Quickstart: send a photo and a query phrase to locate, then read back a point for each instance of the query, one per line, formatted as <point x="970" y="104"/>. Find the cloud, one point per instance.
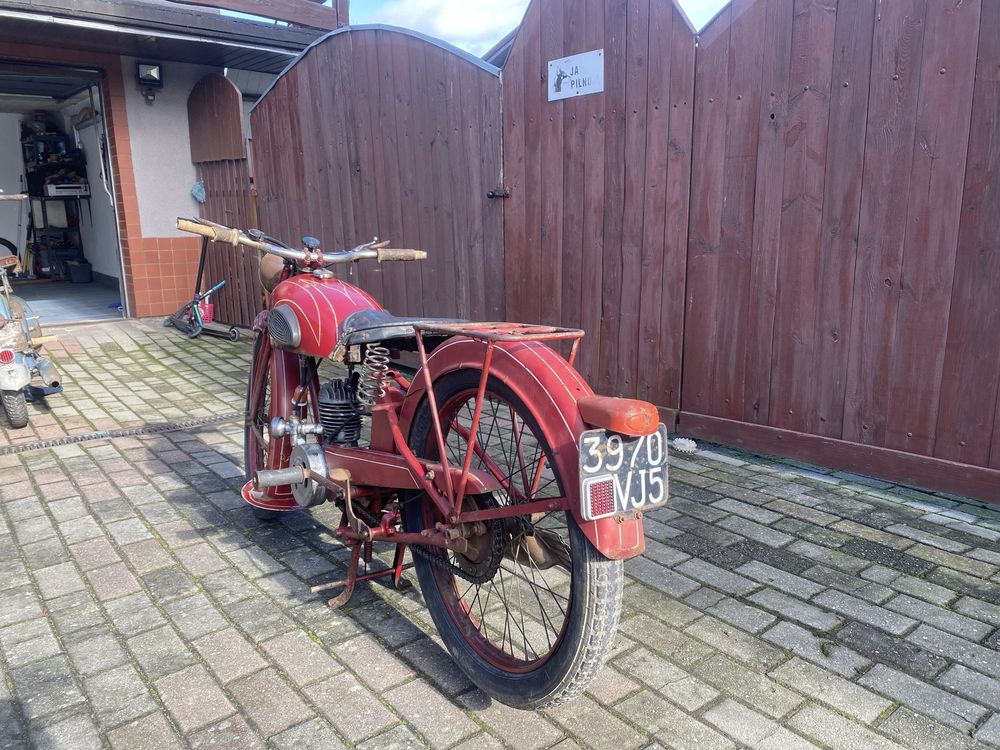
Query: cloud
<point x="473" y="25"/>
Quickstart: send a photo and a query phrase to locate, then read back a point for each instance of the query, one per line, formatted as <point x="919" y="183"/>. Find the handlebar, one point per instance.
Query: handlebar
<point x="373" y="250"/>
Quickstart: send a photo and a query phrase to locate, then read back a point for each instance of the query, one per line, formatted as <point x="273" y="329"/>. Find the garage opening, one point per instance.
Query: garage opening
<point x="54" y="150"/>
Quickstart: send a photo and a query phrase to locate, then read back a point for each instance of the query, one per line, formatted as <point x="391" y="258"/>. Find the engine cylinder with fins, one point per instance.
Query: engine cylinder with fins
<point x="338" y="412"/>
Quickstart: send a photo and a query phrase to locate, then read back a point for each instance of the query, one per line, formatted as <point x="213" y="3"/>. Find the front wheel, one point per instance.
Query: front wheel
<point x="16" y="408"/>
<point x="256" y="436"/>
<point x="530" y="612"/>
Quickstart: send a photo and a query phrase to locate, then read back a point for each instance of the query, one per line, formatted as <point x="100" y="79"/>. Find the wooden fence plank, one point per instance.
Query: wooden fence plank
<point x="841" y="209"/>
<point x="551" y="162"/>
<point x="765" y="251"/>
<point x="518" y="262"/>
<point x="636" y="122"/>
<point x="385" y="151"/>
<point x="489" y="153"/>
<point x="899" y="33"/>
<point x="532" y="98"/>
<point x="575" y="124"/>
<point x="968" y="426"/>
<point x="793" y="396"/>
<point x="935" y="201"/>
<point x="707" y="201"/>
<point x="742" y="106"/>
<point x="409" y="156"/>
<point x="650" y="382"/>
<point x="666" y="366"/>
<point x="615" y="72"/>
<point x="593" y="190"/>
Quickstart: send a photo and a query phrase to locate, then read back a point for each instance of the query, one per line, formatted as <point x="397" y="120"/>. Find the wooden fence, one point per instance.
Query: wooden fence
<point x="787" y="232"/>
<point x="843" y="274"/>
<point x="218" y="150"/>
<point x="380" y="133"/>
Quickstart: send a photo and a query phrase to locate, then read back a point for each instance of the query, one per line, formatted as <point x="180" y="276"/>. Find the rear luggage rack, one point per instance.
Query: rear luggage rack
<point x="503" y="331"/>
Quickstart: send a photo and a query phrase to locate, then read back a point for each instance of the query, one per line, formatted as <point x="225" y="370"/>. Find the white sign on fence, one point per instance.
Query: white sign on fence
<point x="576" y="75"/>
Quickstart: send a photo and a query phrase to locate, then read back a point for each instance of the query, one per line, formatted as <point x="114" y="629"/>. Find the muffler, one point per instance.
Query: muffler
<point x="48" y="373"/>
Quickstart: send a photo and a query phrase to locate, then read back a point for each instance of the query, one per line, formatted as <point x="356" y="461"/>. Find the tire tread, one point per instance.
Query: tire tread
<point x="16" y="408"/>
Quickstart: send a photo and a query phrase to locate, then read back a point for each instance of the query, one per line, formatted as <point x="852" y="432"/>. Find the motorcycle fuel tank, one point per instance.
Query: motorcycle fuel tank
<point x="307" y="313"/>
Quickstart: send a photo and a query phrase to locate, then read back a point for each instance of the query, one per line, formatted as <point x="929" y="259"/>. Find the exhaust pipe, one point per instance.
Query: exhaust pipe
<point x="48" y="373"/>
<point x="278" y="477"/>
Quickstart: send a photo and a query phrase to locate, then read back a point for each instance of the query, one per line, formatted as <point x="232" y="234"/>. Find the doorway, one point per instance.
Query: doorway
<point x="54" y="150"/>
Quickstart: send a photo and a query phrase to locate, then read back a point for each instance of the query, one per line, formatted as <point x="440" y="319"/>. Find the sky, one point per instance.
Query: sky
<point x="476" y="25"/>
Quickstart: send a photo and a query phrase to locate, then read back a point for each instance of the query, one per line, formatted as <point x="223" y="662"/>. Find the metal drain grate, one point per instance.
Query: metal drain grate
<point x="148" y="429"/>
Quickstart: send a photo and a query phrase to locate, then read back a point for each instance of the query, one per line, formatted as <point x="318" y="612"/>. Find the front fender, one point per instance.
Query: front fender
<point x="551" y="388"/>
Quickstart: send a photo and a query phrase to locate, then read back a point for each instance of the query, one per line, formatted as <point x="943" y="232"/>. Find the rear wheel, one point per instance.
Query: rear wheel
<point x="530" y="613"/>
<point x="16" y="408"/>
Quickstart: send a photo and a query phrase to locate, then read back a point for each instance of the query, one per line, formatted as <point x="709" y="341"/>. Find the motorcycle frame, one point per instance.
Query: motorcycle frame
<point x="546" y="377"/>
<point x="445" y="485"/>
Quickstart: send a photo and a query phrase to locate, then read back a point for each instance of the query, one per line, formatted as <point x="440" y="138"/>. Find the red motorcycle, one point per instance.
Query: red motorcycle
<point x="517" y="491"/>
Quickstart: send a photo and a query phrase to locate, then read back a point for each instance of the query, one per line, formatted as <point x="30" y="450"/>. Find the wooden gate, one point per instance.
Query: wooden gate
<point x="218" y="150"/>
<point x="379" y="132"/>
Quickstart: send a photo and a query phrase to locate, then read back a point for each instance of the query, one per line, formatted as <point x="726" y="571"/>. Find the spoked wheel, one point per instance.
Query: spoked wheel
<point x="530" y="612"/>
<point x="256" y="432"/>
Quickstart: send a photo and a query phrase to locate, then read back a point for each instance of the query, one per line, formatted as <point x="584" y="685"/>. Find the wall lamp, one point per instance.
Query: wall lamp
<point x="150" y="78"/>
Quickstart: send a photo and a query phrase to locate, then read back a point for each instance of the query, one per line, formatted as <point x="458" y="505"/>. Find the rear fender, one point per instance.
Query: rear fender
<point x="545" y="381"/>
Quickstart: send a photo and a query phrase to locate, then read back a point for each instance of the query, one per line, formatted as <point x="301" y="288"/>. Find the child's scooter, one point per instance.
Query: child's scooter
<point x="191" y="319"/>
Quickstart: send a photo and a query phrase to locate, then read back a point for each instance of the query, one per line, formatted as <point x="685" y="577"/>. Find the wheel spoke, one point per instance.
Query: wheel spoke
<point x="527" y="593"/>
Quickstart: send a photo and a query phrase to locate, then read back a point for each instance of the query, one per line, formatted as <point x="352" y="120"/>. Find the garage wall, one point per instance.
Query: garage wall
<point x="98" y="226"/>
<point x="11" y="170"/>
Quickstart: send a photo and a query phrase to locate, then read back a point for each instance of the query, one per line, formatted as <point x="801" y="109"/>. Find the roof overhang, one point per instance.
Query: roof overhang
<point x="157" y="31"/>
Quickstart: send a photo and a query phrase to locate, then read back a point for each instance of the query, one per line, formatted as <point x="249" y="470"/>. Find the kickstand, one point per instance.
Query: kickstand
<point x="396" y="571"/>
<point x="398" y="581"/>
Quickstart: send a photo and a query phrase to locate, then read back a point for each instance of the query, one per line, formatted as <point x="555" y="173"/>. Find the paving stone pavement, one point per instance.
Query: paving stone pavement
<point x="779" y="605"/>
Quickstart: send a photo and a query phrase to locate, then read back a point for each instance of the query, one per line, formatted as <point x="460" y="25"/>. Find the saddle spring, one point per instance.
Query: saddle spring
<point x="374" y="372"/>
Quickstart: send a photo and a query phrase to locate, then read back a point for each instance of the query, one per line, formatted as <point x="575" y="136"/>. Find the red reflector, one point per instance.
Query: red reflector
<point x="602" y="498"/>
<point x="6" y="356"/>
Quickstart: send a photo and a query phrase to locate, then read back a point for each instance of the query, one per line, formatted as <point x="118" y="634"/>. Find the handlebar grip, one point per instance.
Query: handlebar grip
<point x="389" y="253"/>
<point x="279" y="477"/>
<point x="215" y="232"/>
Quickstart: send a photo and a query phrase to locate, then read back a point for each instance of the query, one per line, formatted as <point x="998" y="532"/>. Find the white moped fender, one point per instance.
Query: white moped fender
<point x="14" y="377"/>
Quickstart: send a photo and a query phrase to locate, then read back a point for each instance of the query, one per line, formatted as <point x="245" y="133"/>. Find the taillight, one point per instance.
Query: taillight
<point x="6" y="356"/>
<point x="601" y="496"/>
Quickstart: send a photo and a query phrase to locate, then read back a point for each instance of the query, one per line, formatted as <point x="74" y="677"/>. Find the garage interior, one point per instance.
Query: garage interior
<point x="54" y="149"/>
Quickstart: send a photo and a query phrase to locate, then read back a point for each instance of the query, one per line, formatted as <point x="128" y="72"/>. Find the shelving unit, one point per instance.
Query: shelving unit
<point x="52" y="164"/>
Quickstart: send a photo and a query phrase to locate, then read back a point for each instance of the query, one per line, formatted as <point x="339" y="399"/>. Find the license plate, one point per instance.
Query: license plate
<point x="620" y="474"/>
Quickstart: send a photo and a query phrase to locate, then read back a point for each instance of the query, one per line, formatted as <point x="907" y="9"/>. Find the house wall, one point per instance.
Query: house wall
<point x="11" y="172"/>
<point x="164" y="174"/>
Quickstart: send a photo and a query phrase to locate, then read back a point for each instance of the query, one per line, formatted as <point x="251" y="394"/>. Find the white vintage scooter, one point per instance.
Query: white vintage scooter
<point x="21" y="341"/>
